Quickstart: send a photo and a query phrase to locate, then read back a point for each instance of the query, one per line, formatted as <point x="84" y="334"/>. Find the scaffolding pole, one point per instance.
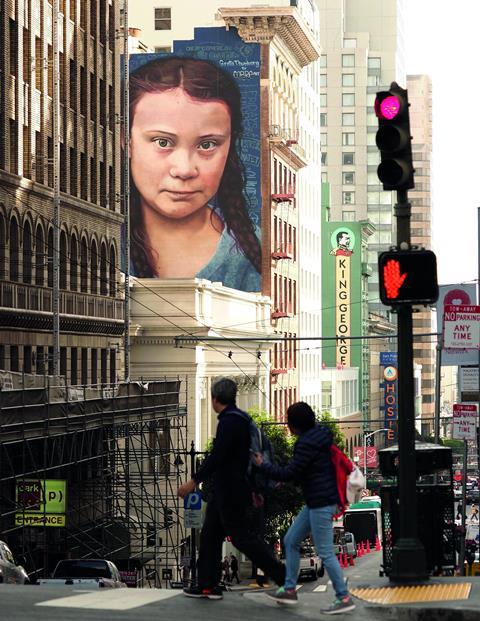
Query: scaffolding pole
<point x="126" y="191"/>
<point x="56" y="187"/>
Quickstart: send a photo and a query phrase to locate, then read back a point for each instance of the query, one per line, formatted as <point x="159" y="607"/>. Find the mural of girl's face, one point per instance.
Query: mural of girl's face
<point x="178" y="150"/>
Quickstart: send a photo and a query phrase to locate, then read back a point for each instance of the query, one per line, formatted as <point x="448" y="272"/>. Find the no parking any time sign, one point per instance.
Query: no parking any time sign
<point x="461" y="327"/>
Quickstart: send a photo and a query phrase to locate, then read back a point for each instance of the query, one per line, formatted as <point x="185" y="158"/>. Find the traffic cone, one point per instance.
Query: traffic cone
<point x="368" y="546"/>
<point x="363" y="548"/>
<point x="351" y="561"/>
<point x="378" y="547"/>
<point x="345" y="560"/>
<point x="359" y="551"/>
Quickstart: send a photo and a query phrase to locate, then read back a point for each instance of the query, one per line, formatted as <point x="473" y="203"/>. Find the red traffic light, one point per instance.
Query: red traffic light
<point x="387" y="107"/>
<point x="408" y="277"/>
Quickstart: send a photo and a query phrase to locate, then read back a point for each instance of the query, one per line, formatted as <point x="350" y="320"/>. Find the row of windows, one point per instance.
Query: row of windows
<point x="85" y="265"/>
<point x="348" y="60"/>
<point x="348" y="159"/>
<point x="79" y="365"/>
<point x="284" y="237"/>
<point x="284" y="294"/>
<point x="285" y="353"/>
<point x="284" y="179"/>
<point x="282" y="398"/>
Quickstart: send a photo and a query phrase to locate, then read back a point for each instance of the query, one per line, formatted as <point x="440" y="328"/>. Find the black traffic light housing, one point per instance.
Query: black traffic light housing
<point x="393" y="139"/>
<point x="408" y="277"/>
<point x="167" y="517"/>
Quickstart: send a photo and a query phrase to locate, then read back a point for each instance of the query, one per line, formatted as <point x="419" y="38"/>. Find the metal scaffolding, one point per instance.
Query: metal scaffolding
<point x="117" y="454"/>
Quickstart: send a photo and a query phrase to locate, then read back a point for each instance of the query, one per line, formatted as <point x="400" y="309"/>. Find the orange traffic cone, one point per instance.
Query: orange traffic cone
<point x="351" y="561"/>
<point x="359" y="550"/>
<point x="378" y="547"/>
<point x="368" y="546"/>
<point x="345" y="560"/>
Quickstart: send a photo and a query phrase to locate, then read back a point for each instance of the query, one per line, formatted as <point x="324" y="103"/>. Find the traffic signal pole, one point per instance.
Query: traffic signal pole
<point x="408" y="555"/>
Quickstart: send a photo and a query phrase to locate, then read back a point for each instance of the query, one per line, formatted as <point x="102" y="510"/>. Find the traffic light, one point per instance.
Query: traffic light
<point x="151" y="534"/>
<point x="408" y="277"/>
<point x="167" y="517"/>
<point x="395" y="171"/>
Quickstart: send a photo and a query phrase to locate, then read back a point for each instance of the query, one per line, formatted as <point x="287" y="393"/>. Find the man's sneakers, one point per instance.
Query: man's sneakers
<point x="345" y="604"/>
<point x="284" y="596"/>
<point x="201" y="592"/>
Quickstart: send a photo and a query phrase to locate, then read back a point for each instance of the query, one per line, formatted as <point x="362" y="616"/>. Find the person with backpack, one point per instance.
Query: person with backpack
<point x="312" y="467"/>
<point x="229" y="463"/>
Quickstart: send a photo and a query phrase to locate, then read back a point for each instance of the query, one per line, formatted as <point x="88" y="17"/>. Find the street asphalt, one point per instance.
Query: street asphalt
<point x="32" y="603"/>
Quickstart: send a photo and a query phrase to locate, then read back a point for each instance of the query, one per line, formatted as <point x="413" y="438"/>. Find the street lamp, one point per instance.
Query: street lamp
<point x="365" y="438"/>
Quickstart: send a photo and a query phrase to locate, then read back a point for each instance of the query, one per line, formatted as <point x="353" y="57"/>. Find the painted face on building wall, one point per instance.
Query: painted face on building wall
<point x="178" y="150"/>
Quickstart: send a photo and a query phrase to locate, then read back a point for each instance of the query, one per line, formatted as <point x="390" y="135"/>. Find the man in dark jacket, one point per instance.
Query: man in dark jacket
<point x="227" y="509"/>
<point x="311" y="466"/>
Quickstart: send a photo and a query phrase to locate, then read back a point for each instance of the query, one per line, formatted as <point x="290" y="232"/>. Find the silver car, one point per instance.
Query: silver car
<point x="10" y="572"/>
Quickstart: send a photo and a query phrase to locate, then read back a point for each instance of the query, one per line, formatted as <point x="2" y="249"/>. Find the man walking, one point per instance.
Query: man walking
<point x="234" y="569"/>
<point x="312" y="467"/>
<point x="227" y="509"/>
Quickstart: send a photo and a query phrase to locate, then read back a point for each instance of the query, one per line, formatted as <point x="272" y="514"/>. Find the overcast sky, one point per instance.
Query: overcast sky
<point x="443" y="41"/>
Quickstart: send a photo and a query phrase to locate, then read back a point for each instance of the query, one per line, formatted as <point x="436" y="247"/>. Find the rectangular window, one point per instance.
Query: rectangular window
<point x="103" y="366"/>
<point x="73" y="172"/>
<point x="348" y="119"/>
<point x="74" y="366"/>
<point x="351" y="43"/>
<point x="93" y="97"/>
<point x="13" y="357"/>
<point x="348" y="60"/>
<point x="348" y="99"/>
<point x="163" y="18"/>
<point x="84" y="370"/>
<point x="323" y="139"/>
<point x="40" y="361"/>
<point x="113" y="366"/>
<point x="83" y="91"/>
<point x="348" y="198"/>
<point x="27" y="358"/>
<point x="63" y="361"/>
<point x="348" y="216"/>
<point x="323" y="100"/>
<point x="348" y="178"/>
<point x="323" y="79"/>
<point x="348" y="139"/>
<point x="323" y="119"/>
<point x="93" y="367"/>
<point x="324" y="158"/>
<point x="93" y="180"/>
<point x="374" y="62"/>
<point x="348" y="159"/>
<point x="83" y="177"/>
<point x="348" y="79"/>
<point x="323" y="60"/>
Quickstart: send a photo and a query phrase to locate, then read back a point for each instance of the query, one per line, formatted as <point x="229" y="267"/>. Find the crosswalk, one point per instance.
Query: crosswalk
<point x="112" y="599"/>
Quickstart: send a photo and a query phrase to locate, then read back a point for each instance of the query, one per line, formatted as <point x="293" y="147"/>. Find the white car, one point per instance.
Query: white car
<point x="10" y="571"/>
<point x="310" y="564"/>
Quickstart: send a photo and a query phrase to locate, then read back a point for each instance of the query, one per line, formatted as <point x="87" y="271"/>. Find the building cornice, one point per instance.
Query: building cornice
<point x="262" y="24"/>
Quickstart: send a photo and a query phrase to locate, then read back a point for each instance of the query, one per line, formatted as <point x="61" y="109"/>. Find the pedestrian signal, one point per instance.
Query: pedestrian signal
<point x="408" y="277"/>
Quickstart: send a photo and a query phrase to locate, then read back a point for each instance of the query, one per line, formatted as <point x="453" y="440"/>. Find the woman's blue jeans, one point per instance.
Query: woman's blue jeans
<point x="318" y="523"/>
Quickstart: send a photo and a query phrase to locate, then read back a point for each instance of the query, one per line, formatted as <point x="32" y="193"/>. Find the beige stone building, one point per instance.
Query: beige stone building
<point x="90" y="303"/>
<point x="288" y="34"/>
<point x="420" y="98"/>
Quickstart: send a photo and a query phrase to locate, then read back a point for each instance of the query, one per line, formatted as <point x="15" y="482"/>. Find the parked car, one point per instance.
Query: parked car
<point x="310" y="564"/>
<point x="10" y="571"/>
<point x="344" y="542"/>
<point x="85" y="573"/>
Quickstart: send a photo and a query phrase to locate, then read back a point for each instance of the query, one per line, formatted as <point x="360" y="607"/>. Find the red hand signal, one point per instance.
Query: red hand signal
<point x="392" y="278"/>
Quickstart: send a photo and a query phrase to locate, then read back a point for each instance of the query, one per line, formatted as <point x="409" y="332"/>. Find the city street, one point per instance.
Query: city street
<point x="65" y="604"/>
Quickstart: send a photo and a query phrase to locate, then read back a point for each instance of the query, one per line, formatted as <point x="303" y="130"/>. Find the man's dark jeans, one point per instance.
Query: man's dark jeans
<point x="222" y="520"/>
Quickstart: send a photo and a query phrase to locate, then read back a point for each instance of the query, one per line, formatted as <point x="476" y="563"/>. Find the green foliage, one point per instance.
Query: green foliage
<point x="338" y="437"/>
<point x="286" y="500"/>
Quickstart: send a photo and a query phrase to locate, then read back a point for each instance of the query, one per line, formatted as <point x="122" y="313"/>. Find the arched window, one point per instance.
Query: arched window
<point x="50" y="258"/>
<point x="63" y="262"/>
<point x="73" y="263"/>
<point x="40" y="257"/>
<point x="94" y="268"/>
<point x="27" y="252"/>
<point x="14" y="250"/>
<point x="103" y="270"/>
<point x="112" y="271"/>
<point x="2" y="247"/>
<point x="84" y="266"/>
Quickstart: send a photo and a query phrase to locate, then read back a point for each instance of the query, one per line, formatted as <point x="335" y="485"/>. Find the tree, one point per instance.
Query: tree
<point x="338" y="436"/>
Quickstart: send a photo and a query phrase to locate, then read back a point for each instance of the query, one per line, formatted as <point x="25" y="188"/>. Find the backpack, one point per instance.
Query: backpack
<point x="259" y="443"/>
<point x="350" y="479"/>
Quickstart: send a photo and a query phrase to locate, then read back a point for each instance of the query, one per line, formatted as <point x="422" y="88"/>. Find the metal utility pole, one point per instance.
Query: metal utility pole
<point x="126" y="192"/>
<point x="438" y="381"/>
<point x="56" y="187"/>
<point x="408" y="558"/>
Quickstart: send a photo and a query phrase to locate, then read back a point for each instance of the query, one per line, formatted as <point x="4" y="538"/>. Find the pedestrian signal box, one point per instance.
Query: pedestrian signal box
<point x="408" y="277"/>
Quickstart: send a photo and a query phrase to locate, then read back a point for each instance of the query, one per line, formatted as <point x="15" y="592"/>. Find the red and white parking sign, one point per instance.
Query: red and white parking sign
<point x="461" y="327"/>
<point x="464" y="421"/>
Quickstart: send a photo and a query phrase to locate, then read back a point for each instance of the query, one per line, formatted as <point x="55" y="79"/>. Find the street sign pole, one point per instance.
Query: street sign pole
<point x="193" y="553"/>
<point x="408" y="557"/>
